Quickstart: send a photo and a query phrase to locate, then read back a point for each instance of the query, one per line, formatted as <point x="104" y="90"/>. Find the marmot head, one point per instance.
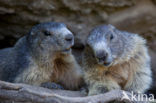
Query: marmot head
<point x="51" y="37"/>
<point x="108" y="44"/>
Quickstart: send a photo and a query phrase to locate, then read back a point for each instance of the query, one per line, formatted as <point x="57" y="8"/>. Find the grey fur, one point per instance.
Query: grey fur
<point x="32" y="59"/>
<point x="115" y="59"/>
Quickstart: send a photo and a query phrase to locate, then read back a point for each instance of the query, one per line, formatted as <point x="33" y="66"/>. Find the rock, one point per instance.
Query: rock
<point x="154" y="1"/>
<point x="152" y="54"/>
<point x="17" y="16"/>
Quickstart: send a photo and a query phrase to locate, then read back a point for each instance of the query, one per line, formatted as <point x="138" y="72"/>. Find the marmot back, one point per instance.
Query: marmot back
<point x="115" y="59"/>
<point x="34" y="58"/>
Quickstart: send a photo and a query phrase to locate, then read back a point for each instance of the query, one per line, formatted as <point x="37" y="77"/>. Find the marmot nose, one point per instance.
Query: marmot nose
<point x="69" y="37"/>
<point x="102" y="56"/>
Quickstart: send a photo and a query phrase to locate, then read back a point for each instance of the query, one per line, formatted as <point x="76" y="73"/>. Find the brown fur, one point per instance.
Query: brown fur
<point x="63" y="69"/>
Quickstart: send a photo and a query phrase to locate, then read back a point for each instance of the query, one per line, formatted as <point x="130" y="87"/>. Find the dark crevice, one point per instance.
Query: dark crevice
<point x="8" y="41"/>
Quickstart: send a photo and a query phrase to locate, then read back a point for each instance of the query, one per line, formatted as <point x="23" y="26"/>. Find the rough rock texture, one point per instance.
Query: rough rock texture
<point x="138" y="16"/>
<point x="17" y="16"/>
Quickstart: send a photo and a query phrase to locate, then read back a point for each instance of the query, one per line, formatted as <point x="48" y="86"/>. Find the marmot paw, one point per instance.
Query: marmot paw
<point x="51" y="85"/>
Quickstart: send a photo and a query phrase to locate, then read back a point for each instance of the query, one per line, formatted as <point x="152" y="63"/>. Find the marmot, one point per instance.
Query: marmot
<point x="115" y="59"/>
<point x="42" y="56"/>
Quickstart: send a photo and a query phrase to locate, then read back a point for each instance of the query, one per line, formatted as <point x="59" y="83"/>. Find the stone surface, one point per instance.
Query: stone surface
<point x="137" y="16"/>
<point x="18" y="16"/>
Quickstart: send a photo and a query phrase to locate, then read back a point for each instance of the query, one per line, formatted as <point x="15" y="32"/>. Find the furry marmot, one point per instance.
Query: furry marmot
<point x="42" y="56"/>
<point x="115" y="59"/>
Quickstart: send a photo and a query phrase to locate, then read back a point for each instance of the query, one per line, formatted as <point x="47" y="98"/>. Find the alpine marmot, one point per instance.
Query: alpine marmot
<point x="42" y="56"/>
<point x="115" y="59"/>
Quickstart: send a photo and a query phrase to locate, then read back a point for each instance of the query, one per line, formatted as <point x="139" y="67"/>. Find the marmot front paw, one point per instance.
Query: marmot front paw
<point x="99" y="90"/>
<point x="51" y="85"/>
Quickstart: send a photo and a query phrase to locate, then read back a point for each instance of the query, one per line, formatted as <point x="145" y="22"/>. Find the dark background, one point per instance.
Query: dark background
<point x="137" y="16"/>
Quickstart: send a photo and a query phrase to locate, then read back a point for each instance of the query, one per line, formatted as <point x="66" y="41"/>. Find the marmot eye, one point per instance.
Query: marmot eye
<point x="111" y="37"/>
<point x="46" y="33"/>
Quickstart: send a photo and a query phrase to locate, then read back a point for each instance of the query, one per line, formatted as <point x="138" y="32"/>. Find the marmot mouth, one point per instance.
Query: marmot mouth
<point x="107" y="64"/>
<point x="68" y="50"/>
